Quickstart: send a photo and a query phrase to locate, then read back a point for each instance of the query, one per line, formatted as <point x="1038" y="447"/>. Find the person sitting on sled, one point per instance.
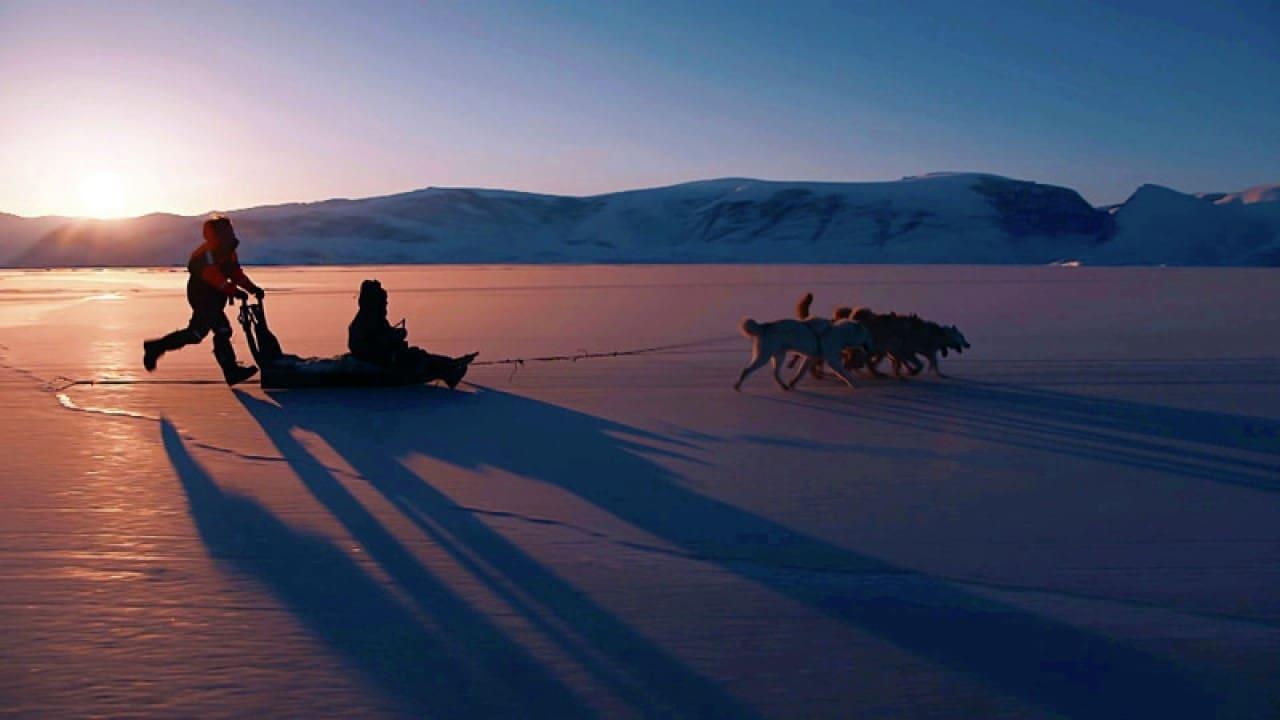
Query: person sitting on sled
<point x="216" y="280"/>
<point x="373" y="339"/>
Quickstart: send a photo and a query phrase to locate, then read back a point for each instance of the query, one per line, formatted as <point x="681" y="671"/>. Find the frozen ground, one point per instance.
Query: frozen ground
<point x="1084" y="522"/>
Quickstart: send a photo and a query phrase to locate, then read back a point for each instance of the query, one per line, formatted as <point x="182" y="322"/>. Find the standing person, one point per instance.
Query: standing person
<point x="216" y="280"/>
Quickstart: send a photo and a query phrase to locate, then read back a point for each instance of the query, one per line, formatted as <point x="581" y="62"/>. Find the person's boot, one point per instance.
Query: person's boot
<point x="232" y="371"/>
<point x="239" y="374"/>
<point x="458" y="370"/>
<point x="153" y="349"/>
<point x="151" y="353"/>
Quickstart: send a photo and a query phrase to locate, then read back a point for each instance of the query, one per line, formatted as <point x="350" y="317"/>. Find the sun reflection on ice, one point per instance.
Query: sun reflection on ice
<point x="114" y="360"/>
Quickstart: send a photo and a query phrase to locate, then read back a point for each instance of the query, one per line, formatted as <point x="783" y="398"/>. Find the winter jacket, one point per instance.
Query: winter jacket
<point x="217" y="265"/>
<point x="370" y="337"/>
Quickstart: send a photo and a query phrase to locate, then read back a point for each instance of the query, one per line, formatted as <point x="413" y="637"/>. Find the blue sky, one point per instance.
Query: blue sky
<point x="188" y="106"/>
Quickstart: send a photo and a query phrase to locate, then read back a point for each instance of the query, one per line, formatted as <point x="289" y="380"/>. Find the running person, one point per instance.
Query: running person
<point x="216" y="280"/>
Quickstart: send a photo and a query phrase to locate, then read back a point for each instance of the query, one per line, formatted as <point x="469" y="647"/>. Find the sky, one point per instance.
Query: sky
<point x="121" y="108"/>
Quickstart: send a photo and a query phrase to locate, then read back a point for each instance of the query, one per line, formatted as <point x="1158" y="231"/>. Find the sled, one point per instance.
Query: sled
<point x="281" y="370"/>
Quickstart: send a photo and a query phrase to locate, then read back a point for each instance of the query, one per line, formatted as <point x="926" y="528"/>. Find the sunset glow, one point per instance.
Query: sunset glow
<point x="102" y="195"/>
<point x="220" y="106"/>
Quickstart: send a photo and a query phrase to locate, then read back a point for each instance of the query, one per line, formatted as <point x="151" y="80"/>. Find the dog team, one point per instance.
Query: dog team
<point x="851" y="339"/>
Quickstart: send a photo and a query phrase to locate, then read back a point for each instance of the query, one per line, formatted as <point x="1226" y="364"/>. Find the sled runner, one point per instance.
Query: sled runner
<point x="282" y="370"/>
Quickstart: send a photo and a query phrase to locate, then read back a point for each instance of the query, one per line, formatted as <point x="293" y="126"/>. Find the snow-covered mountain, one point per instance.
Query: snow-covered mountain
<point x="939" y="218"/>
<point x="1157" y="225"/>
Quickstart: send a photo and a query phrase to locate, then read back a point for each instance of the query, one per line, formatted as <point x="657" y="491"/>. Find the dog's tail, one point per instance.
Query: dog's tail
<point x="802" y="307"/>
<point x="751" y="328"/>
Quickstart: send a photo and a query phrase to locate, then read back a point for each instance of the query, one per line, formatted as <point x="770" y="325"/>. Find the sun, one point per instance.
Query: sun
<point x="102" y="195"/>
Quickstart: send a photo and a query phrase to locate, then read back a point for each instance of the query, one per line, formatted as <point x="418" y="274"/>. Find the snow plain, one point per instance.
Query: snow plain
<point x="1083" y="522"/>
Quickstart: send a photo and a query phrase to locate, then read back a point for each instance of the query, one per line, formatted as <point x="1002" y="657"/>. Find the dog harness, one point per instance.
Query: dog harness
<point x="817" y="336"/>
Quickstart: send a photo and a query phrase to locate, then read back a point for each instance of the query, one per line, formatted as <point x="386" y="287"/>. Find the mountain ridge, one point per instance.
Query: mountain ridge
<point x="950" y="217"/>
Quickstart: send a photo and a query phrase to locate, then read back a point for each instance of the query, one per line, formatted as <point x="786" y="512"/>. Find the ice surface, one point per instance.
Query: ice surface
<point x="1084" y="522"/>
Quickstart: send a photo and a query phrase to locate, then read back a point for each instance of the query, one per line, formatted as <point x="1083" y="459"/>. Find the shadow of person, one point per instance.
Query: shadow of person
<point x="641" y="675"/>
<point x="1045" y="662"/>
<point x="417" y="672"/>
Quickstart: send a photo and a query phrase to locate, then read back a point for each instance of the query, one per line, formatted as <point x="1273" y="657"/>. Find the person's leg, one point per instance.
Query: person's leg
<point x="205" y="303"/>
<point x="153" y="349"/>
<point x="197" y="327"/>
<point x="224" y="352"/>
<point x="419" y="361"/>
<point x="437" y="367"/>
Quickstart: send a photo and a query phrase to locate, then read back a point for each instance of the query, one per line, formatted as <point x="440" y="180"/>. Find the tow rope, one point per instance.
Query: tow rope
<point x="517" y="363"/>
<point x="62" y="382"/>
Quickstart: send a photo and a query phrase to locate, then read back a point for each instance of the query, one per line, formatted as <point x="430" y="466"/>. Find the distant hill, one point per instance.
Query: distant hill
<point x="1157" y="225"/>
<point x="939" y="218"/>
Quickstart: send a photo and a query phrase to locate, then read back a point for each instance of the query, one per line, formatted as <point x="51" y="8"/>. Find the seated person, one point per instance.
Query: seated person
<point x="372" y="339"/>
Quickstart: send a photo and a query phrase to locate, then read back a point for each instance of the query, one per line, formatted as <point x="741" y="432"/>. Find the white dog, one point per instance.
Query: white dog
<point x="814" y="338"/>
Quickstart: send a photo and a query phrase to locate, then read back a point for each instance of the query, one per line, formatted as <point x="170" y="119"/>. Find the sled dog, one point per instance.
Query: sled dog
<point x="931" y="339"/>
<point x="903" y="339"/>
<point x="815" y="339"/>
<point x="852" y="357"/>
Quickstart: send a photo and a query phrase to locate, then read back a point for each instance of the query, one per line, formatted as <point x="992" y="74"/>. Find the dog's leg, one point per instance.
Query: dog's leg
<point x="806" y="367"/>
<point x="758" y="359"/>
<point x="816" y="369"/>
<point x="778" y="361"/>
<point x="833" y="361"/>
<point x="897" y="368"/>
<point x="846" y="376"/>
<point x="873" y="365"/>
<point x="855" y="359"/>
<point x="914" y="364"/>
<point x="933" y="366"/>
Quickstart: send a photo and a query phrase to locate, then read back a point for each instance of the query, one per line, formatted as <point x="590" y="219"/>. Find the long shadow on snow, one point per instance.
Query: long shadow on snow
<point x="638" y="672"/>
<point x="1051" y="664"/>
<point x="1205" y="427"/>
<point x="1197" y="444"/>
<point x="465" y="669"/>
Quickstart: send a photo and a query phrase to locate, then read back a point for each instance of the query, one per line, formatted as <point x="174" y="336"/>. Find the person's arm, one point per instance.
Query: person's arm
<point x="239" y="278"/>
<point x="216" y="280"/>
<point x="394" y="336"/>
<point x="358" y="340"/>
<point x="366" y="342"/>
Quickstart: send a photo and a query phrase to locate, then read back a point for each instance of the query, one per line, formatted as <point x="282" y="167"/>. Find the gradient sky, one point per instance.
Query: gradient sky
<point x="125" y="108"/>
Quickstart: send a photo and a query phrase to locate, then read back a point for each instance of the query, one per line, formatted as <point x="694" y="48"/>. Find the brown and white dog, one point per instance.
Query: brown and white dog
<point x="900" y="338"/>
